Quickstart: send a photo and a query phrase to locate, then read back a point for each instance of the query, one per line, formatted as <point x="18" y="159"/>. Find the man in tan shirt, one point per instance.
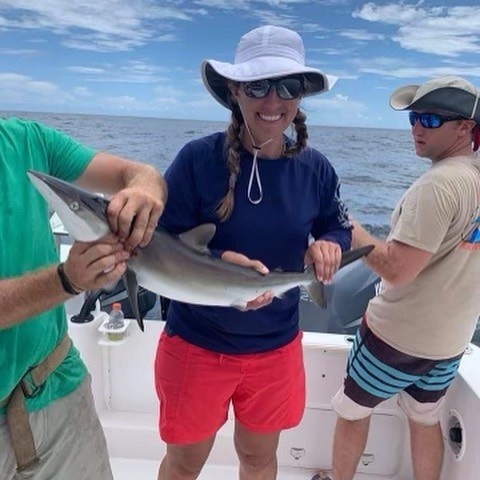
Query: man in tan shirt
<point x="416" y="329"/>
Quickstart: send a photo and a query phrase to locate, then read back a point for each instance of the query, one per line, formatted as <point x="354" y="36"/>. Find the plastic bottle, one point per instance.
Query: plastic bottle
<point x="116" y="322"/>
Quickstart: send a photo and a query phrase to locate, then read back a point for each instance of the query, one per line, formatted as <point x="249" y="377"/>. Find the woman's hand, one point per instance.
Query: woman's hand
<point x="242" y="260"/>
<point x="326" y="257"/>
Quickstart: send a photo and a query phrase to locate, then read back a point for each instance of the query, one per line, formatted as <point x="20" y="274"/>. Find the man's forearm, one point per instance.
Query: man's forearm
<point x="396" y="262"/>
<point x="29" y="295"/>
<point x="143" y="175"/>
<point x="109" y="173"/>
<point x="379" y="258"/>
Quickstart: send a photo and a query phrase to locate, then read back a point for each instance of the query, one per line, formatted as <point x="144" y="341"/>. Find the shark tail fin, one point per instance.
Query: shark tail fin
<point x="316" y="289"/>
<point x="352" y="255"/>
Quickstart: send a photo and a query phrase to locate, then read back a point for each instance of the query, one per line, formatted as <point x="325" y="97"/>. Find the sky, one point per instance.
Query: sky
<point x="142" y="57"/>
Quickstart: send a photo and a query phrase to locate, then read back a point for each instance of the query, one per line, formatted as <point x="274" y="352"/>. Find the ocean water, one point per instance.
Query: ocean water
<point x="375" y="166"/>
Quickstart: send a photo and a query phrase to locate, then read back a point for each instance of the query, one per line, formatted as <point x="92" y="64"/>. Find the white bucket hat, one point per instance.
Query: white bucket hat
<point x="265" y="52"/>
<point x="452" y="94"/>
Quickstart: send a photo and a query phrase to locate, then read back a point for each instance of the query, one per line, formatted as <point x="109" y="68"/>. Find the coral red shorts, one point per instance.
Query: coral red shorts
<point x="196" y="387"/>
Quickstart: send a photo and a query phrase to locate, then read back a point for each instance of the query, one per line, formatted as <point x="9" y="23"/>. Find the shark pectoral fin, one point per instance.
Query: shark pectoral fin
<point x="352" y="255"/>
<point x="316" y="292"/>
<point x="131" y="284"/>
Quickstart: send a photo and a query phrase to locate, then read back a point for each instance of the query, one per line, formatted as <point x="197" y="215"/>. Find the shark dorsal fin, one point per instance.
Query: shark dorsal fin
<point x="199" y="237"/>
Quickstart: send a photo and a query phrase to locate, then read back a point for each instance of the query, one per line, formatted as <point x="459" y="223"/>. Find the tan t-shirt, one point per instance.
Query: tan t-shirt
<point x="434" y="316"/>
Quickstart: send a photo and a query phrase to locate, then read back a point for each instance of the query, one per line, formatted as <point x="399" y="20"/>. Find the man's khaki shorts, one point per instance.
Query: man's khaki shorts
<point x="69" y="440"/>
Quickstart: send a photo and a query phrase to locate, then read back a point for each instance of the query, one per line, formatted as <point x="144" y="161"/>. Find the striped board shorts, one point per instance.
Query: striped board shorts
<point x="376" y="371"/>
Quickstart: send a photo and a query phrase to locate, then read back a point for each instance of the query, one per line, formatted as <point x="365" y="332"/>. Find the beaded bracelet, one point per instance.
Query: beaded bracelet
<point x="67" y="286"/>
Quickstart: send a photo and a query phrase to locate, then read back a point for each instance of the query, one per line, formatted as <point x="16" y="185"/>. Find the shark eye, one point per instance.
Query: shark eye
<point x="74" y="206"/>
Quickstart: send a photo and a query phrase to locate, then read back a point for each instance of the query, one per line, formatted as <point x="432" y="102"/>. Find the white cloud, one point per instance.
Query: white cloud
<point x="83" y="92"/>
<point x="243" y="4"/>
<point x="338" y="101"/>
<point x="344" y="75"/>
<point x="18" y="51"/>
<point x="124" y="102"/>
<point x="385" y="63"/>
<point x="100" y="43"/>
<point x="444" y="43"/>
<point x="268" y="17"/>
<point x="423" y="72"/>
<point x="395" y="14"/>
<point x="87" y="70"/>
<point x="134" y="71"/>
<point x="396" y="70"/>
<point x="443" y="31"/>
<point x="336" y="110"/>
<point x="166" y="100"/>
<point x="273" y="12"/>
<point x="222" y="4"/>
<point x="335" y="52"/>
<point x="168" y="92"/>
<point x="21" y="89"/>
<point x="361" y="35"/>
<point x="102" y="25"/>
<point x="395" y="67"/>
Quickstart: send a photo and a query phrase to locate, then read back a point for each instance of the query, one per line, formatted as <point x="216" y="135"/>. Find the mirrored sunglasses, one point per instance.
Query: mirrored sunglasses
<point x="287" y="88"/>
<point x="431" y="120"/>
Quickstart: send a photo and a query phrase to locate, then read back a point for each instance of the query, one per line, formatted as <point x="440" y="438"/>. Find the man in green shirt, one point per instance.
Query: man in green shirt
<point x="33" y="289"/>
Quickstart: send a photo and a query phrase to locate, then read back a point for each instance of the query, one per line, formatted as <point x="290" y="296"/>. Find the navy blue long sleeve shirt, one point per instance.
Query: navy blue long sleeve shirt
<point x="300" y="198"/>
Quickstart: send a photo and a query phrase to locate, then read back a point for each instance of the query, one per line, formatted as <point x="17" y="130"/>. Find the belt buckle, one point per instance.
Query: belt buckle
<point x="28" y="386"/>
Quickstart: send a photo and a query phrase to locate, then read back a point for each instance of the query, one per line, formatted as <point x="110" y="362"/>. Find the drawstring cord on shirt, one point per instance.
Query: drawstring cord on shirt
<point x="254" y="171"/>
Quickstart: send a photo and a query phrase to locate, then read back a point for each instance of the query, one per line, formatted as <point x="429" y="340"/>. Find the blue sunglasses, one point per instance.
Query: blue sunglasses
<point x="287" y="88"/>
<point x="431" y="120"/>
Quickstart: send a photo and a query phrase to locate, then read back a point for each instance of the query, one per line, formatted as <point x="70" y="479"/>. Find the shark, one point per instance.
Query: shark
<point x="178" y="267"/>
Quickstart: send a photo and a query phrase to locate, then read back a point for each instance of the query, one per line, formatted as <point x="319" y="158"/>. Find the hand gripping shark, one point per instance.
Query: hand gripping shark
<point x="178" y="267"/>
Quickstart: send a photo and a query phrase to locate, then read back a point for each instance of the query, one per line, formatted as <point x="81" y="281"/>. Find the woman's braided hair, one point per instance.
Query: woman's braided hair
<point x="233" y="149"/>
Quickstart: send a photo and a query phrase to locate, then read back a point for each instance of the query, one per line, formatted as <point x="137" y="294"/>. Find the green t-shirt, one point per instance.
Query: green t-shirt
<point x="27" y="244"/>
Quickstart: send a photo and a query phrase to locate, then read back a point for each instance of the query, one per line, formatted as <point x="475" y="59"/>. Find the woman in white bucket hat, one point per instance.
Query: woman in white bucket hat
<point x="266" y="194"/>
